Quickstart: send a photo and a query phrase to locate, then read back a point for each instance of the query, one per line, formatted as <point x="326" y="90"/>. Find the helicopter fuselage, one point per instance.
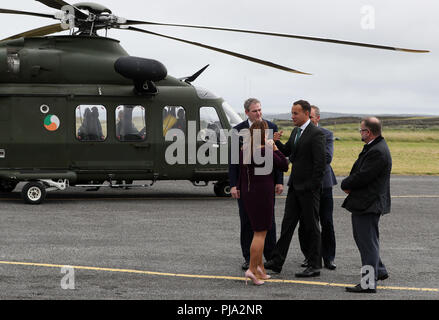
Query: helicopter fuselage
<point x="48" y="88"/>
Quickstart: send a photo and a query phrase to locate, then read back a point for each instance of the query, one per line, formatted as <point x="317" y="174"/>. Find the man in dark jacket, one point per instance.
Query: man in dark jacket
<point x="306" y="151"/>
<point x="326" y="202"/>
<point x="368" y="189"/>
<point x="253" y="111"/>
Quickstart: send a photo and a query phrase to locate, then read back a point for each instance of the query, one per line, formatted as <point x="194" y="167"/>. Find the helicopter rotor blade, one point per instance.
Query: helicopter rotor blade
<point x="56" y="4"/>
<point x="350" y="43"/>
<point x="59" y="4"/>
<point x="43" y="15"/>
<point x="231" y="53"/>
<point x="38" y="32"/>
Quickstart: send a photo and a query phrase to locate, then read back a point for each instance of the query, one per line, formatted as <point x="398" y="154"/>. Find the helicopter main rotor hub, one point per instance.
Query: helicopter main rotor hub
<point x="98" y="17"/>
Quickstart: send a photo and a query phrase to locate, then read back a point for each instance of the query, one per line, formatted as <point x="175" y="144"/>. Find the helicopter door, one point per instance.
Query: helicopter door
<point x="112" y="140"/>
<point x="175" y="142"/>
<point x="134" y="140"/>
<point x="89" y="147"/>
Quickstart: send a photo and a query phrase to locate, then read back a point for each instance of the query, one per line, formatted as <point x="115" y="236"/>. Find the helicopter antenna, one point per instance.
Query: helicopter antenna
<point x="193" y="77"/>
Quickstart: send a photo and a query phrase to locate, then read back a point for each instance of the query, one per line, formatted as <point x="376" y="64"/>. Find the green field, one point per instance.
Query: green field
<point x="413" y="143"/>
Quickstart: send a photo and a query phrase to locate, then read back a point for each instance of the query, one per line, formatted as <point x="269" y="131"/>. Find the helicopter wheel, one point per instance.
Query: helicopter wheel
<point x="33" y="193"/>
<point x="222" y="189"/>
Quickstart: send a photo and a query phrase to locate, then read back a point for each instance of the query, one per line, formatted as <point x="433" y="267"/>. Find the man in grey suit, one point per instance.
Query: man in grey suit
<point x="326" y="202"/>
<point x="368" y="189"/>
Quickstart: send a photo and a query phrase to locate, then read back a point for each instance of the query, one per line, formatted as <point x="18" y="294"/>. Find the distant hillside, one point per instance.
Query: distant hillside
<point x="407" y="122"/>
<point x="400" y="122"/>
<point x="323" y="115"/>
<point x="329" y="115"/>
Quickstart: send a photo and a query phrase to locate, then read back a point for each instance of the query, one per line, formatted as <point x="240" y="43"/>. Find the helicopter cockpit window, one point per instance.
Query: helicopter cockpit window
<point x="130" y="123"/>
<point x="232" y="116"/>
<point x="210" y="125"/>
<point x="174" y="117"/>
<point x="91" y="123"/>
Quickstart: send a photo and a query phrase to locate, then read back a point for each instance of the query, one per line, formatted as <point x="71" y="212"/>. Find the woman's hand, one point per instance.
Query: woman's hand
<point x="236" y="194"/>
<point x="270" y="143"/>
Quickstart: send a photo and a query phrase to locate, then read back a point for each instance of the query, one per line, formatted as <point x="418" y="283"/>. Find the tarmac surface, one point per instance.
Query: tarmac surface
<point x="174" y="241"/>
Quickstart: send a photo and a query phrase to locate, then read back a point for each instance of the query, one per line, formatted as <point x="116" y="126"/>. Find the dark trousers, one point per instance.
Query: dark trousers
<point x="300" y="206"/>
<point x="367" y="237"/>
<point x="327" y="224"/>
<point x="247" y="235"/>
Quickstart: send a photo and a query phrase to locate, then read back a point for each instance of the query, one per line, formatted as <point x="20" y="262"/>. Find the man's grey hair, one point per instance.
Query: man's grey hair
<point x="317" y="110"/>
<point x="249" y="102"/>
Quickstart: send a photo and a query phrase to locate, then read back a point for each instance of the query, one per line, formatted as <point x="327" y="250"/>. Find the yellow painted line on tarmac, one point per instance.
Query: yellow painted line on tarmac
<point x="181" y="275"/>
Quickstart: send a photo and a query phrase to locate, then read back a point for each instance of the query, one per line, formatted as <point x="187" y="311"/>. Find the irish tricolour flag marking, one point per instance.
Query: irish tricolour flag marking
<point x="51" y="122"/>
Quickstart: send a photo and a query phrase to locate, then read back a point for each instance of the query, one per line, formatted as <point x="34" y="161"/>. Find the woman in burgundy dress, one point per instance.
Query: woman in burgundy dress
<point x="256" y="189"/>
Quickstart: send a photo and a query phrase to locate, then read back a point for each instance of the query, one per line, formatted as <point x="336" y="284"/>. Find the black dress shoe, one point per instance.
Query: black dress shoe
<point x="305" y="264"/>
<point x="383" y="276"/>
<point x="329" y="264"/>
<point x="245" y="265"/>
<point x="359" y="289"/>
<point x="308" y="272"/>
<point x="271" y="265"/>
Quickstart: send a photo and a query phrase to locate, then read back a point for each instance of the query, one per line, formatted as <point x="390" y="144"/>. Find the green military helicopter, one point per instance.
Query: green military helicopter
<point x="77" y="110"/>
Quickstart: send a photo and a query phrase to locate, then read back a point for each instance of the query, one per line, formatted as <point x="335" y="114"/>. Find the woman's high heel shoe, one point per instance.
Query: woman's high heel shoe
<point x="256" y="281"/>
<point x="263" y="275"/>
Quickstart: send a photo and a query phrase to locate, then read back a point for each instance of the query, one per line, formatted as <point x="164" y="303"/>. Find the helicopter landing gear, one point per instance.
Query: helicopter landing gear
<point x="222" y="189"/>
<point x="33" y="192"/>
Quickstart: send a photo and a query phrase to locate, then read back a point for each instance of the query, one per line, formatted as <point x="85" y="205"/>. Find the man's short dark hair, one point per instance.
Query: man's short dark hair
<point x="249" y="102"/>
<point x="373" y="124"/>
<point x="304" y="104"/>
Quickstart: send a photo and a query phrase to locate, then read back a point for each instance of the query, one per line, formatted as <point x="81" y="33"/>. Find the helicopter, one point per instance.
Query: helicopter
<point x="78" y="110"/>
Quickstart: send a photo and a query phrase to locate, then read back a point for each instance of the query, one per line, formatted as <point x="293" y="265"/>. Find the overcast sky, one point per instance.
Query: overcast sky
<point x="344" y="78"/>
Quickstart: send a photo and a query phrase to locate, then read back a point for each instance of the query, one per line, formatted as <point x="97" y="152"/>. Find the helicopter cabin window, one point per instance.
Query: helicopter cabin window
<point x="174" y="117"/>
<point x="91" y="123"/>
<point x="130" y="123"/>
<point x="210" y="125"/>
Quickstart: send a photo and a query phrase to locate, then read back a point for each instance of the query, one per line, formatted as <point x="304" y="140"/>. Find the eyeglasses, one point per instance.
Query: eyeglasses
<point x="361" y="130"/>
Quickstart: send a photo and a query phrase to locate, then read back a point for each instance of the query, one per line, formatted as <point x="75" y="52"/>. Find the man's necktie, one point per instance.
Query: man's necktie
<point x="299" y="131"/>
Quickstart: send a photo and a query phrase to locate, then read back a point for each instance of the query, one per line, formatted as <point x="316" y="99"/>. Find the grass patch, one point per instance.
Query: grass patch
<point x="414" y="151"/>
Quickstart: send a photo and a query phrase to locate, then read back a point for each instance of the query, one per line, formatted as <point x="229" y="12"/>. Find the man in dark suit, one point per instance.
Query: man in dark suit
<point x="253" y="111"/>
<point x="368" y="189"/>
<point x="326" y="202"/>
<point x="306" y="151"/>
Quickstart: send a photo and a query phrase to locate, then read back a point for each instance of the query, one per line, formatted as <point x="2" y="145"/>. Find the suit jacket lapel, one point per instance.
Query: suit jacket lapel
<point x="302" y="136"/>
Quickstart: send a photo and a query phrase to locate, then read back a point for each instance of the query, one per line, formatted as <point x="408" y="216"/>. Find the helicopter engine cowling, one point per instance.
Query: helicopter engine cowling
<point x="142" y="71"/>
